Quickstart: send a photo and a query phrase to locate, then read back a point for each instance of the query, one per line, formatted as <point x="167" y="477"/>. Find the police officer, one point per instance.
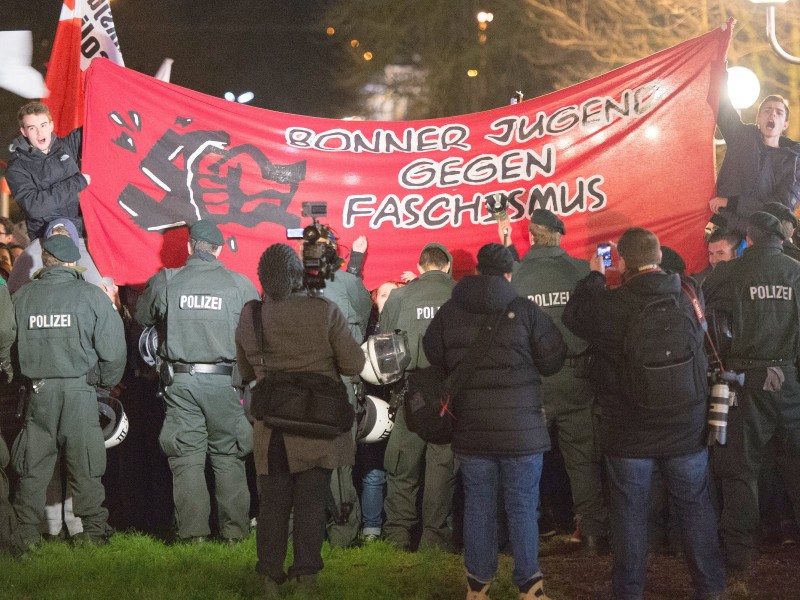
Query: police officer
<point x="196" y="309"/>
<point x="547" y="275"/>
<point x="408" y="458"/>
<point x="760" y="291"/>
<point x="68" y="329"/>
<point x="347" y="292"/>
<point x="789" y="223"/>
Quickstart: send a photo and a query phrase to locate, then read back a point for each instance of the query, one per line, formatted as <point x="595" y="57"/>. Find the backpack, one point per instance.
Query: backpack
<point x="664" y="364"/>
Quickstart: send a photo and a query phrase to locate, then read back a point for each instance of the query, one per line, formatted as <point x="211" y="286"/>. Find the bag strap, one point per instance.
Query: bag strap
<point x="257" y="323"/>
<point x="461" y="375"/>
<point x="701" y="318"/>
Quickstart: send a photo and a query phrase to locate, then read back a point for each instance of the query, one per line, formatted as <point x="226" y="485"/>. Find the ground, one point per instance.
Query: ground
<point x="775" y="574"/>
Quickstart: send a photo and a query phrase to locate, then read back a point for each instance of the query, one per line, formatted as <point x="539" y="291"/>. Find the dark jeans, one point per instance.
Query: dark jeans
<point x="686" y="478"/>
<point x="280" y="491"/>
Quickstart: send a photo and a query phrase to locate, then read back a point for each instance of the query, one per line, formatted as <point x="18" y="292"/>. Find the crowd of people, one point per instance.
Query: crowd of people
<point x="615" y="375"/>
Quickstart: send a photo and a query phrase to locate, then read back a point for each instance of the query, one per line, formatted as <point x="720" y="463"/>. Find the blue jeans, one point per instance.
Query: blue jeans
<point x="519" y="477"/>
<point x="686" y="479"/>
<point x="372" y="501"/>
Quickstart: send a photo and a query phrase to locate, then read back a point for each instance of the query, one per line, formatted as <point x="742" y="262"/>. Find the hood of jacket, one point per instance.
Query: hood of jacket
<point x="23" y="148"/>
<point x="653" y="283"/>
<point x="483" y="293"/>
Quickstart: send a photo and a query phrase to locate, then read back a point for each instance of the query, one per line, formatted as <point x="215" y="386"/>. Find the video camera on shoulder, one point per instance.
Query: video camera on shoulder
<point x="320" y="259"/>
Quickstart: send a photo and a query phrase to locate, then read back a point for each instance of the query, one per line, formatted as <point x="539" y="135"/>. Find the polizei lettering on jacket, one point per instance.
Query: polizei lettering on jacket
<point x="426" y="312"/>
<point x="770" y="292"/>
<point x="49" y="321"/>
<point x="550" y="299"/>
<point x="198" y="301"/>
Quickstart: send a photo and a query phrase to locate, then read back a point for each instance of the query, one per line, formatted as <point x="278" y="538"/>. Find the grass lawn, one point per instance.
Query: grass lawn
<point x="140" y="567"/>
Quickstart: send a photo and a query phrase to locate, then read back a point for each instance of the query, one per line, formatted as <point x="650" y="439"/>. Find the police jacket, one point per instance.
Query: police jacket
<point x="753" y="173"/>
<point x="759" y="290"/>
<point x="499" y="410"/>
<point x="412" y="307"/>
<point x="548" y="275"/>
<point x="600" y="316"/>
<point x="67" y="327"/>
<point x="348" y="292"/>
<point x="46" y="186"/>
<point x="196" y="309"/>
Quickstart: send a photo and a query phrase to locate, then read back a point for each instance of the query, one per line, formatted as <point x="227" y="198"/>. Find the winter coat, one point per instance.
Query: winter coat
<point x="499" y="410"/>
<point x="300" y="334"/>
<point x="46" y="186"/>
<point x="601" y="316"/>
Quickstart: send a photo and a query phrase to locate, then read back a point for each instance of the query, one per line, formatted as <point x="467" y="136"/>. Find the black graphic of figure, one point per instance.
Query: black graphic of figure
<point x="201" y="177"/>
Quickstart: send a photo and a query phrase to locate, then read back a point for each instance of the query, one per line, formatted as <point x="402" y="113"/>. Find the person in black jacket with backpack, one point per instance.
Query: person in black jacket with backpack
<point x="652" y="390"/>
<point x="500" y="432"/>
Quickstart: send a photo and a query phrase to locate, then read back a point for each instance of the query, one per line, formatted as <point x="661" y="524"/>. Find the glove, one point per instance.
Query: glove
<point x="7" y="370"/>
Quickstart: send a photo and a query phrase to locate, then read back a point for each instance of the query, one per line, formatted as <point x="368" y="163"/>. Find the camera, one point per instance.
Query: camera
<point x="320" y="259"/>
<point x="723" y="396"/>
<point x="604" y="251"/>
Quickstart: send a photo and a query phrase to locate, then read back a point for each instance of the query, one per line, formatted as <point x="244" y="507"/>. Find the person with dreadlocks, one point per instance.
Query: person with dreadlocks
<point x="298" y="333"/>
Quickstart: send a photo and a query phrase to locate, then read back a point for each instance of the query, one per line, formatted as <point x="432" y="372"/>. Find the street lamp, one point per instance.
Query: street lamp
<point x="743" y="87"/>
<point x="771" y="36"/>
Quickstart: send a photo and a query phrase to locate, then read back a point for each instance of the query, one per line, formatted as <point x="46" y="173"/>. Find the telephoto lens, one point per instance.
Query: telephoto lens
<point x="718" y="405"/>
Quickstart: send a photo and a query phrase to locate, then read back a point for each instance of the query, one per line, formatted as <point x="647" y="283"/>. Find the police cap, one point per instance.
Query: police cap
<point x="206" y="231"/>
<point x="767" y="223"/>
<point x="62" y="247"/>
<point x="782" y="212"/>
<point x="542" y="216"/>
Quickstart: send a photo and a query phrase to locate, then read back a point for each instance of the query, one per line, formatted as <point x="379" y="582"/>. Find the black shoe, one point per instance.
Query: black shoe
<point x="84" y="539"/>
<point x="595" y="545"/>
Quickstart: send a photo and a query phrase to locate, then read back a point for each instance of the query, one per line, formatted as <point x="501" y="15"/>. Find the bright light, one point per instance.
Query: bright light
<point x="367" y="55"/>
<point x="651" y="132"/>
<point x="230" y="97"/>
<point x="245" y="97"/>
<point x="743" y="87"/>
<point x="354" y="43"/>
<point x="330" y="31"/>
<point x="472" y="73"/>
<point x="486" y="17"/>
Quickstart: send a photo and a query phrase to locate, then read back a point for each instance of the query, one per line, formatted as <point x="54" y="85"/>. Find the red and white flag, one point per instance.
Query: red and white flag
<point x="85" y="31"/>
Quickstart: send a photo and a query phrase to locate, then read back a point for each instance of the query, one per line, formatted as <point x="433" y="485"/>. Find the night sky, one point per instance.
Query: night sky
<point x="275" y="48"/>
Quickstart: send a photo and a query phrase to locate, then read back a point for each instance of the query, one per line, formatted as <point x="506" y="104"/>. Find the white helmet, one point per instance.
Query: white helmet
<point x="148" y="345"/>
<point x="374" y="424"/>
<point x="113" y="420"/>
<point x="386" y="356"/>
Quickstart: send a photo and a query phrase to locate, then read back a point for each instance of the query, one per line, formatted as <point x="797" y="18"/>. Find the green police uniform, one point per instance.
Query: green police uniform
<point x="408" y="457"/>
<point x="547" y="275"/>
<point x="761" y="292"/>
<point x="351" y="296"/>
<point x="196" y="309"/>
<point x="67" y="329"/>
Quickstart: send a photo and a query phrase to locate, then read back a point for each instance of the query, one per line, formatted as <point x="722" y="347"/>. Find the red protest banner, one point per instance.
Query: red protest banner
<point x="632" y="147"/>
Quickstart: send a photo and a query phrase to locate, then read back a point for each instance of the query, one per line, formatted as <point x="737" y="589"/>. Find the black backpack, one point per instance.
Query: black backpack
<point x="664" y="364"/>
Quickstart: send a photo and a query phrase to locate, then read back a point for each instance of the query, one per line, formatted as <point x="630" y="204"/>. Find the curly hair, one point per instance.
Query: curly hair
<point x="280" y="272"/>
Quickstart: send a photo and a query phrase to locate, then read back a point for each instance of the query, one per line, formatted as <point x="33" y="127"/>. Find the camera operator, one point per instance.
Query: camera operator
<point x="300" y="333"/>
<point x="346" y="290"/>
<point x="759" y="290"/>
<point x="196" y="309"/>
<point x="659" y="426"/>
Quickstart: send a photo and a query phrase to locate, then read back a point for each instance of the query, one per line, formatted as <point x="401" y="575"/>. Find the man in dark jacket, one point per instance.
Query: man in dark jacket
<point x="760" y="291"/>
<point x="789" y="223"/>
<point x="411" y="463"/>
<point x="500" y="431"/>
<point x="68" y="330"/>
<point x="196" y="309"/>
<point x="637" y="439"/>
<point x="43" y="172"/>
<point x="760" y="166"/>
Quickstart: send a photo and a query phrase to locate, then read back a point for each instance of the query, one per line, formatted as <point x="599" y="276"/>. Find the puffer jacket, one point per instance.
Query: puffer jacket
<point x="499" y="410"/>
